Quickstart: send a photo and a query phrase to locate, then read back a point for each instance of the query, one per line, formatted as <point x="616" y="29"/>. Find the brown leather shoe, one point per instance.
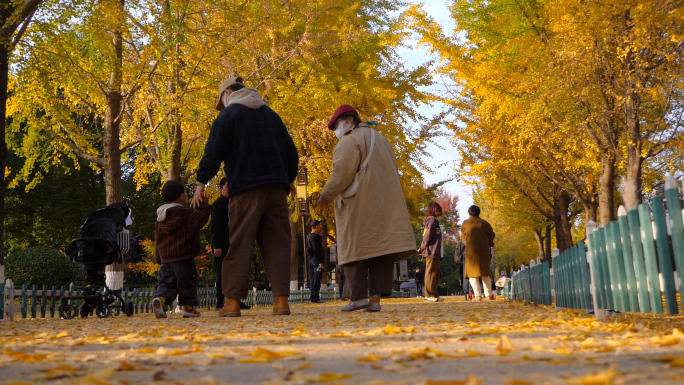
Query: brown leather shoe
<point x="280" y="306"/>
<point x="231" y="308"/>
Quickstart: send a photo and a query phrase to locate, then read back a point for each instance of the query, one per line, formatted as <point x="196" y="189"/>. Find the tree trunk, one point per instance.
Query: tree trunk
<point x="564" y="203"/>
<point x="12" y="15"/>
<point x="112" y="145"/>
<point x="4" y="70"/>
<point x="590" y="210"/>
<point x="294" y="255"/>
<point x="632" y="183"/>
<point x="607" y="186"/>
<point x="560" y="219"/>
<point x="540" y="243"/>
<point x="547" y="243"/>
<point x="175" y="139"/>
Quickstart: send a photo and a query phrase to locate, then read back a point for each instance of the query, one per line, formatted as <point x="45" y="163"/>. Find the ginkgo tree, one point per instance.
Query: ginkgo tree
<point x="578" y="93"/>
<point x="15" y="17"/>
<point x="115" y="81"/>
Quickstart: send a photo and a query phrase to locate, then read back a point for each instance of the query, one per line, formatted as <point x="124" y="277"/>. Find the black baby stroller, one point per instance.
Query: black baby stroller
<point x="104" y="240"/>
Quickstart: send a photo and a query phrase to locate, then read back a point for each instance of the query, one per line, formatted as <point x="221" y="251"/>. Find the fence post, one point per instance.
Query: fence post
<point x="600" y="314"/>
<point x="664" y="255"/>
<point x="557" y="293"/>
<point x="9" y="300"/>
<point x="650" y="258"/>
<point x="674" y="207"/>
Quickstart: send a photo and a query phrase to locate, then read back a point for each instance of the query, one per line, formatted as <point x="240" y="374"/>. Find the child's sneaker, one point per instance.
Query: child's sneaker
<point x="188" y="313"/>
<point x="158" y="308"/>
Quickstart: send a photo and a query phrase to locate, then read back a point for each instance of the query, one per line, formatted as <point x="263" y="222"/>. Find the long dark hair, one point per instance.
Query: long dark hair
<point x="433" y="210"/>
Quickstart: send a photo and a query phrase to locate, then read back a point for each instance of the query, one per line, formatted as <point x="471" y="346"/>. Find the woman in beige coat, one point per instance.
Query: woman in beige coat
<point x="372" y="221"/>
<point x="478" y="237"/>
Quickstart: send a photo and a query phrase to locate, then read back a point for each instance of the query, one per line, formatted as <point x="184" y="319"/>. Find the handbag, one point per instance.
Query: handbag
<point x="353" y="188"/>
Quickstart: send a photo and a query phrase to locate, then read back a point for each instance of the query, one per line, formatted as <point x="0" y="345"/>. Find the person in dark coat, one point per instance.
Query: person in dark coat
<point x="340" y="280"/>
<point x="420" y="281"/>
<point x="220" y="240"/>
<point x="431" y="249"/>
<point x="478" y="237"/>
<point x="315" y="254"/>
<point x="261" y="162"/>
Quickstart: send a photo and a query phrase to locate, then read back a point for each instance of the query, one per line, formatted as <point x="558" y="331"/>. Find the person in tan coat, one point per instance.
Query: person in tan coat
<point x="478" y="237"/>
<point x="372" y="221"/>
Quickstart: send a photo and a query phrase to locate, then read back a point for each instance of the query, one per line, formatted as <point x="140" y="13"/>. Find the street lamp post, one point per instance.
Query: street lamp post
<point x="303" y="209"/>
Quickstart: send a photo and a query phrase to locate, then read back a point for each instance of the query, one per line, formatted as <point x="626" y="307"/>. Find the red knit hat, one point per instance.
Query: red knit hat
<point x="340" y="110"/>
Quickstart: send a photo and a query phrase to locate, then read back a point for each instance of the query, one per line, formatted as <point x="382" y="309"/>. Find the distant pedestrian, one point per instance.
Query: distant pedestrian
<point x="419" y="278"/>
<point x="261" y="163"/>
<point x="176" y="244"/>
<point x="316" y="255"/>
<point x="478" y="237"/>
<point x="431" y="250"/>
<point x="340" y="280"/>
<point x="373" y="225"/>
<point x="220" y="240"/>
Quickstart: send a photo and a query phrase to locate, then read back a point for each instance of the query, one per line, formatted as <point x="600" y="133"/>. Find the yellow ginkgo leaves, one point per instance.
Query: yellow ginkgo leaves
<point x="262" y="356"/>
<point x="602" y="378"/>
<point x="504" y="345"/>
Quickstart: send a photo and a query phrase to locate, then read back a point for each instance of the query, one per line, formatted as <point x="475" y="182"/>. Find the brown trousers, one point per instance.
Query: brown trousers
<point x="369" y="276"/>
<point x="260" y="214"/>
<point x="431" y="277"/>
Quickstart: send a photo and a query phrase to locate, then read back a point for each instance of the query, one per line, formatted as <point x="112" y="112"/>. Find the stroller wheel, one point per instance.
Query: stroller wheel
<point x="103" y="311"/>
<point x="128" y="308"/>
<point x="67" y="312"/>
<point x="84" y="310"/>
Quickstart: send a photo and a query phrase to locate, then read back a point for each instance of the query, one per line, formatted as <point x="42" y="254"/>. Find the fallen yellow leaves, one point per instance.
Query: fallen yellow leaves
<point x="472" y="380"/>
<point x="369" y="358"/>
<point x="26" y="357"/>
<point x="60" y="371"/>
<point x="145" y="350"/>
<point x="261" y="356"/>
<point x="504" y="346"/>
<point x="380" y="346"/>
<point x="677" y="337"/>
<point x="602" y="378"/>
<point x="301" y="377"/>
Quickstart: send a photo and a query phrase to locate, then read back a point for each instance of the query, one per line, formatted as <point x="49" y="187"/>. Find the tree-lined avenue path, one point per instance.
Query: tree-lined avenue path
<point x="409" y="342"/>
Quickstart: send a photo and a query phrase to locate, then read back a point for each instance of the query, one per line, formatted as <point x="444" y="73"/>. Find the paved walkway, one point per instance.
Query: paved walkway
<point x="409" y="342"/>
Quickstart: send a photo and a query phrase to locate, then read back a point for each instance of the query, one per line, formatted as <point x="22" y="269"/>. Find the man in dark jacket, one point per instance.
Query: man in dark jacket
<point x="420" y="281"/>
<point x="260" y="161"/>
<point x="177" y="243"/>
<point x="316" y="256"/>
<point x="220" y="241"/>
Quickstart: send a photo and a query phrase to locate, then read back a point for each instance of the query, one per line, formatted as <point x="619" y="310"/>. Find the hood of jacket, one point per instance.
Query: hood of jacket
<point x="429" y="219"/>
<point x="248" y="97"/>
<point x="161" y="211"/>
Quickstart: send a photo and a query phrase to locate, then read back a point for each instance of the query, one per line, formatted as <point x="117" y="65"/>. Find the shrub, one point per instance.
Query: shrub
<point x="42" y="266"/>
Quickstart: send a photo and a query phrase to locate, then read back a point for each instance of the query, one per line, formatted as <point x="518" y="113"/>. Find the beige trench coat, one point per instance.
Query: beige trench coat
<point x="478" y="236"/>
<point x="375" y="221"/>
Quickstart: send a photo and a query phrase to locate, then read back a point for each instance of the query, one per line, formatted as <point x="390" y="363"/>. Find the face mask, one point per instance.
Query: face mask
<point x="225" y="98"/>
<point x="342" y="129"/>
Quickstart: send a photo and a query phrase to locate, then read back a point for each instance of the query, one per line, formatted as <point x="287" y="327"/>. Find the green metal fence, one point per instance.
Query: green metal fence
<point x="636" y="256"/>
<point x="631" y="264"/>
<point x="533" y="283"/>
<point x="43" y="302"/>
<point x="571" y="278"/>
